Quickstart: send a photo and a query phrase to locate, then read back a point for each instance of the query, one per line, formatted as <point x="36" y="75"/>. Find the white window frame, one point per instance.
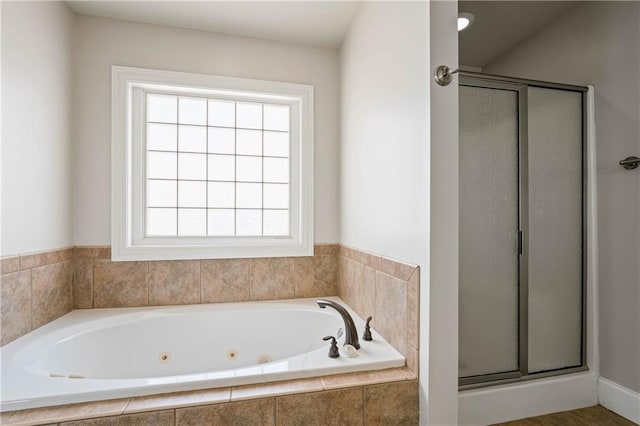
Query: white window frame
<point x="128" y="153"/>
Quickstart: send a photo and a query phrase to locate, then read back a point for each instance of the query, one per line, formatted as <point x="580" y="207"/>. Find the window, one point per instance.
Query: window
<point x="210" y="167"/>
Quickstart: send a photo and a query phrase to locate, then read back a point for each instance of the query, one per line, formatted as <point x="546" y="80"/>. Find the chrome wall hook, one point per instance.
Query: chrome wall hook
<point x="443" y="75"/>
<point x="630" y="163"/>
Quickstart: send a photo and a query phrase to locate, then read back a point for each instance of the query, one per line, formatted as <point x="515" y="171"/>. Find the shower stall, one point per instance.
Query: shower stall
<point x="522" y="229"/>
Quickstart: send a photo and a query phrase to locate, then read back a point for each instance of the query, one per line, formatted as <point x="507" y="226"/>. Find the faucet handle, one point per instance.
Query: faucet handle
<point x="333" y="350"/>
<point x="367" y="330"/>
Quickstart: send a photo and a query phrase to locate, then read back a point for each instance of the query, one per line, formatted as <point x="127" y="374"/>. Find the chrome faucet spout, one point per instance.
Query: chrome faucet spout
<point x="350" y="332"/>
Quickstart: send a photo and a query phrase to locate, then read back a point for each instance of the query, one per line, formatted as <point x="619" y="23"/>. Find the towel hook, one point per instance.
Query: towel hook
<point x="443" y="75"/>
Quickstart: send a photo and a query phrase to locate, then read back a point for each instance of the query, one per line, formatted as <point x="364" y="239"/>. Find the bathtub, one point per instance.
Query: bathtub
<point x="96" y="354"/>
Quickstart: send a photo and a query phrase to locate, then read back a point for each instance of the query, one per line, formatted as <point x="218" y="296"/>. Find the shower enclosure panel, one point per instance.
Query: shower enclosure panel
<point x="522" y="229"/>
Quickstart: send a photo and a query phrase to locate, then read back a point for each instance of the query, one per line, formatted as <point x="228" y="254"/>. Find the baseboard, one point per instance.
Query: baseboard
<point x="619" y="399"/>
<point x="527" y="399"/>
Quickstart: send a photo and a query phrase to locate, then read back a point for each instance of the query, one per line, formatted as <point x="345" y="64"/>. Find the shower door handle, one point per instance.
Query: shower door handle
<point x="520" y="243"/>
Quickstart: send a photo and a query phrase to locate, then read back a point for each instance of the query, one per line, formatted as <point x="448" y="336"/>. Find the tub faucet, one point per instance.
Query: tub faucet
<point x="350" y="332"/>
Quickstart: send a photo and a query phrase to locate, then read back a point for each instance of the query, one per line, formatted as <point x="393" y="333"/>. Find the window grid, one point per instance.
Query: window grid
<point x="209" y="152"/>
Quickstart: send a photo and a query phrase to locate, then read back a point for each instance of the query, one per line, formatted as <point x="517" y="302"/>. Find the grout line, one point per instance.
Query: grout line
<point x="364" y="405"/>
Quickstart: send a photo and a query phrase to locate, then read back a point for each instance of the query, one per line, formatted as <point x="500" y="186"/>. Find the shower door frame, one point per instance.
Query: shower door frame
<point x="496" y="82"/>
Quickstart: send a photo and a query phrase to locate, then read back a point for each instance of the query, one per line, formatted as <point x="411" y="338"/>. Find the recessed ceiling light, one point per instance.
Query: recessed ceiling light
<point x="465" y="20"/>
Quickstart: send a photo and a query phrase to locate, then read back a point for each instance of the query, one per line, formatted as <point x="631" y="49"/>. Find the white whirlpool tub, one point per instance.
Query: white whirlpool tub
<point x="96" y="354"/>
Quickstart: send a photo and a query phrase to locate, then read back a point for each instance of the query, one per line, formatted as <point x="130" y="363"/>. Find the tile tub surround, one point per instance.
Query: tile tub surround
<point x="36" y="288"/>
<point x="40" y="287"/>
<point x="386" y="289"/>
<point x="371" y="284"/>
<point x="101" y="283"/>
<point x="386" y="397"/>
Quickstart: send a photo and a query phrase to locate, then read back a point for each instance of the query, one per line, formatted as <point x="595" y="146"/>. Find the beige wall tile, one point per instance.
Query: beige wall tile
<point x="286" y="387"/>
<point x="51" y="288"/>
<point x="4" y="417"/>
<point x="396" y="269"/>
<point x="15" y="300"/>
<point x="34" y="260"/>
<point x="347" y="252"/>
<point x="92" y="252"/>
<point x="363" y="378"/>
<point x="335" y="407"/>
<point x="413" y="309"/>
<point x="69" y="412"/>
<point x="410" y="374"/>
<point x="392" y="404"/>
<point x="413" y="357"/>
<point x="315" y="276"/>
<point x="178" y="400"/>
<point x="272" y="278"/>
<point x="304" y="276"/>
<point x="9" y="265"/>
<point x="364" y="282"/>
<point x="225" y="280"/>
<point x="243" y="413"/>
<point x="390" y="319"/>
<point x="119" y="284"/>
<point x="346" y="284"/>
<point x="325" y="250"/>
<point x="326" y="269"/>
<point x="174" y="282"/>
<point x="368" y="259"/>
<point x="83" y="283"/>
<point x="156" y="418"/>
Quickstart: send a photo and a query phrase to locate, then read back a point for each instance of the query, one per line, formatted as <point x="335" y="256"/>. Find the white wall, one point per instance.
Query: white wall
<point x="597" y="43"/>
<point x="384" y="134"/>
<point x="384" y="144"/>
<point x="102" y="43"/>
<point x="37" y="126"/>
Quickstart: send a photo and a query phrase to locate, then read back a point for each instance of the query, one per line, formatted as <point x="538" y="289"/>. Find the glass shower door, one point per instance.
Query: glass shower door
<point x="522" y="232"/>
<point x="489" y="216"/>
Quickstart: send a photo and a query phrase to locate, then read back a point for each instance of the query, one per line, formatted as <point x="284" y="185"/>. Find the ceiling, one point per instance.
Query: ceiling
<point x="501" y="25"/>
<point x="315" y="23"/>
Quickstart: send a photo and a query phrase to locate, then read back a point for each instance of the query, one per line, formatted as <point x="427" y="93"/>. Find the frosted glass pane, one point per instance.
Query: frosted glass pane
<point x="222" y="113"/>
<point x="161" y="193"/>
<point x="249" y="169"/>
<point x="276" y="117"/>
<point x="192" y="194"/>
<point x="555" y="228"/>
<point x="221" y="141"/>
<point x="192" y="138"/>
<point x="221" y="194"/>
<point x="276" y="196"/>
<point x="276" y="222"/>
<point x="488" y="265"/>
<point x="248" y="115"/>
<point x="221" y="222"/>
<point x="222" y="167"/>
<point x="162" y="108"/>
<point x="192" y="166"/>
<point x="162" y="137"/>
<point x="276" y="170"/>
<point x="192" y="222"/>
<point x="248" y="222"/>
<point x="192" y="111"/>
<point x="162" y="165"/>
<point x="276" y="144"/>
<point x="248" y="195"/>
<point x="248" y="142"/>
<point x="161" y="222"/>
